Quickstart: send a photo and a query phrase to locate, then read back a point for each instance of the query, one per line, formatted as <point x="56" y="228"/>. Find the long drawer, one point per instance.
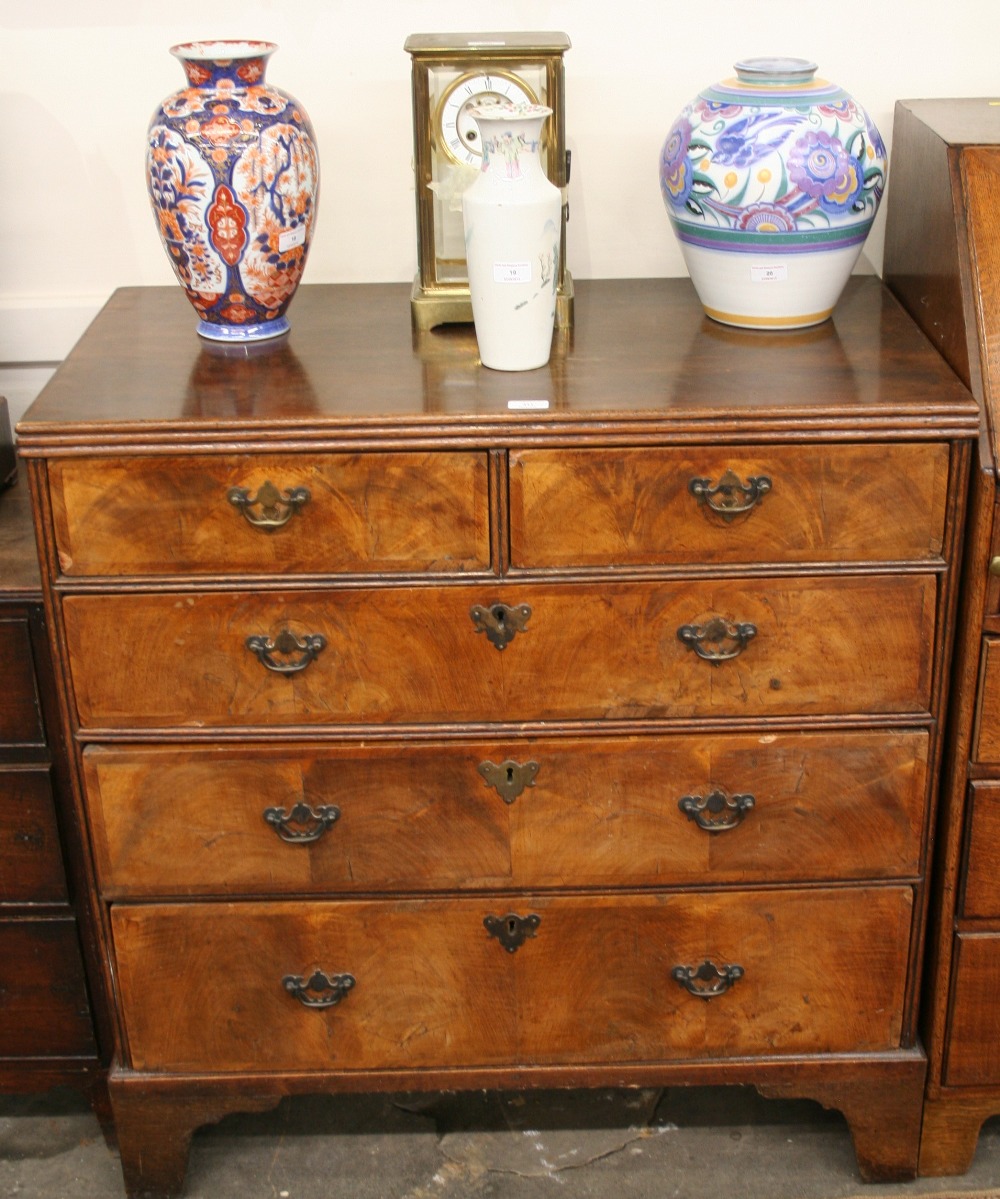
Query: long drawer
<point x="20" y="712"/>
<point x="31" y="866"/>
<point x="44" y="1010"/>
<point x="271" y="513"/>
<point x="823" y="503"/>
<point x="505" y="812"/>
<point x="973" y="1055"/>
<point x="787" y="646"/>
<point x="567" y="979"/>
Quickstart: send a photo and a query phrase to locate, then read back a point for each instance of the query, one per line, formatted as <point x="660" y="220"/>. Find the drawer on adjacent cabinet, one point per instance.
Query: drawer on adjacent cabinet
<point x="43" y="999"/>
<point x="530" y="814"/>
<point x="270" y="513"/>
<point x="31" y="868"/>
<point x="828" y="503"/>
<point x="986" y="746"/>
<point x="730" y="647"/>
<point x="501" y="980"/>
<point x="982" y="884"/>
<point x="20" y="714"/>
<point x="974" y="1039"/>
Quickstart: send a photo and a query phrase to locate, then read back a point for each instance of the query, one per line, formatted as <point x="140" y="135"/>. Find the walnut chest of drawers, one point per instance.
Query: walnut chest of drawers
<point x="47" y="1035"/>
<point x="438" y="727"/>
<point x="947" y="163"/>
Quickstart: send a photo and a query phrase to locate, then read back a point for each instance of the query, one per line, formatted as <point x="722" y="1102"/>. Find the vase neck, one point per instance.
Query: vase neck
<point x="235" y="64"/>
<point x="510" y="148"/>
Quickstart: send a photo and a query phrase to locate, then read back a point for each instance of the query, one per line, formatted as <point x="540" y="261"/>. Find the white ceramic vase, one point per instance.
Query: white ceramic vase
<point x="771" y="181"/>
<point x="512" y="215"/>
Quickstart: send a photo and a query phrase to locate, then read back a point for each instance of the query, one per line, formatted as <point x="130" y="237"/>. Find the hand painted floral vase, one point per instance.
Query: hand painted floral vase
<point x="513" y="224"/>
<point x="771" y="181"/>
<point x="233" y="178"/>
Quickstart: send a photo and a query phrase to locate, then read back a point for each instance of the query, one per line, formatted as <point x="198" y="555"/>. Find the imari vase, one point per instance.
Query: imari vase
<point x="233" y="177"/>
<point x="512" y="215"/>
<point x="771" y="181"/>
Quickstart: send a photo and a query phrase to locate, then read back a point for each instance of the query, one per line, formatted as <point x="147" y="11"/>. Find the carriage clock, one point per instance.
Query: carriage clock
<point x="452" y="72"/>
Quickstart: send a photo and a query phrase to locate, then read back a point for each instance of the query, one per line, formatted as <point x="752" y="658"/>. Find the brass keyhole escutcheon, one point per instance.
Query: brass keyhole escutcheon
<point x="509" y="778"/>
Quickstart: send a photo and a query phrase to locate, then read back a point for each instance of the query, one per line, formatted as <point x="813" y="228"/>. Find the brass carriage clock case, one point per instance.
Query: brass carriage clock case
<point x="451" y="72"/>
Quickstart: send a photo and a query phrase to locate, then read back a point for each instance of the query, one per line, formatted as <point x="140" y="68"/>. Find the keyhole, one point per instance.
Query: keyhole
<point x="471" y="135"/>
<point x="510" y="774"/>
<point x="511" y="926"/>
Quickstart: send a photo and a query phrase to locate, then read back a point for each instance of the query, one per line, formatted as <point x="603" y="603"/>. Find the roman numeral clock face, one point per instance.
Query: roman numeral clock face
<point x="457" y="131"/>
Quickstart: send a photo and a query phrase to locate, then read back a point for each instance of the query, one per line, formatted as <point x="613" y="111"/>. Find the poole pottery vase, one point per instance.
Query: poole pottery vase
<point x="771" y="181"/>
<point x="512" y="215"/>
<point x="233" y="178"/>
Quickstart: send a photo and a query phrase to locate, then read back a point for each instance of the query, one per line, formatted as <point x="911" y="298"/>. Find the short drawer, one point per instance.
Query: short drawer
<point x="43" y="998"/>
<point x="712" y="504"/>
<point x="20" y="713"/>
<point x="31" y="867"/>
<point x="212" y="987"/>
<point x="803" y="646"/>
<point x="973" y="1050"/>
<point x="529" y="813"/>
<point x="986" y="745"/>
<point x="272" y="514"/>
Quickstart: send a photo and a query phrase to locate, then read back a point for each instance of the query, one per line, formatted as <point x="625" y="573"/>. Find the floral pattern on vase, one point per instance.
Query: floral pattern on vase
<point x="233" y="179"/>
<point x="778" y="165"/>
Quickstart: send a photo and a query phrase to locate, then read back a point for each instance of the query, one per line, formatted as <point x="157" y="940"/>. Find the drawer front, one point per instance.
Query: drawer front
<point x="558" y="813"/>
<point x="982" y="886"/>
<point x="31" y="868"/>
<point x="20" y="714"/>
<point x="203" y="987"/>
<point x="821" y="646"/>
<point x="986" y="747"/>
<point x="43" y="998"/>
<point x="822" y="503"/>
<point x="364" y="512"/>
<point x="973" y="1052"/>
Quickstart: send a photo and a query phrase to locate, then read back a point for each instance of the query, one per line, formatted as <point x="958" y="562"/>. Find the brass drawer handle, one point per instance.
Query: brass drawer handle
<point x="302" y="825"/>
<point x="500" y="622"/>
<point x="512" y="930"/>
<point x="508" y="778"/>
<point x="286" y="644"/>
<point x="730" y="497"/>
<point x="707" y="980"/>
<point x="716" y="811"/>
<point x="276" y="509"/>
<point x="320" y="990"/>
<point x="709" y="641"/>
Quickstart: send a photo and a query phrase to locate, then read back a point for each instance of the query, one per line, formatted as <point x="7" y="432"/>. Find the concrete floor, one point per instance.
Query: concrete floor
<point x="681" y="1143"/>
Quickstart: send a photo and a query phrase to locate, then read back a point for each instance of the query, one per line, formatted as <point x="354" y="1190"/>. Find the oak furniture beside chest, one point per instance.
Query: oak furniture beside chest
<point x="47" y="1035"/>
<point x="444" y="728"/>
<point x="943" y="259"/>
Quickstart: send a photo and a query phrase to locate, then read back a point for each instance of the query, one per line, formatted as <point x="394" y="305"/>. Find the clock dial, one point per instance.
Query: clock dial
<point x="456" y="131"/>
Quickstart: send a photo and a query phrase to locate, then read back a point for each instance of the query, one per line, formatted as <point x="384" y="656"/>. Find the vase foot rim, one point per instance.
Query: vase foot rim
<point x="235" y="334"/>
<point x="748" y="321"/>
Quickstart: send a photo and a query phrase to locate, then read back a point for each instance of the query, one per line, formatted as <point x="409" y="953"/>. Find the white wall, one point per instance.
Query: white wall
<point x="80" y="81"/>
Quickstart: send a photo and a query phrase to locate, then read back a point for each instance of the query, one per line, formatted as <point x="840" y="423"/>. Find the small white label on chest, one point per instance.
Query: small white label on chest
<point x="528" y="405"/>
<point x="768" y="274"/>
<point x="291" y="238"/>
<point x="512" y="272"/>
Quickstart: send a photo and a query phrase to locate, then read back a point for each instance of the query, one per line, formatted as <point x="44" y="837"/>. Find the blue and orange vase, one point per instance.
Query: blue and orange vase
<point x="771" y="181"/>
<point x="233" y="177"/>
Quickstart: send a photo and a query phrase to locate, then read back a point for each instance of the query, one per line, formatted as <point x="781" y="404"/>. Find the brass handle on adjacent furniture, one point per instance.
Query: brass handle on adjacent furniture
<point x="716" y="811"/>
<point x="311" y="823"/>
<point x="708" y="641"/>
<point x="286" y="643"/>
<point x="320" y="990"/>
<point x="500" y="622"/>
<point x="707" y="980"/>
<point x="730" y="497"/>
<point x="512" y="930"/>
<point x="275" y="509"/>
<point x="509" y="778"/>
